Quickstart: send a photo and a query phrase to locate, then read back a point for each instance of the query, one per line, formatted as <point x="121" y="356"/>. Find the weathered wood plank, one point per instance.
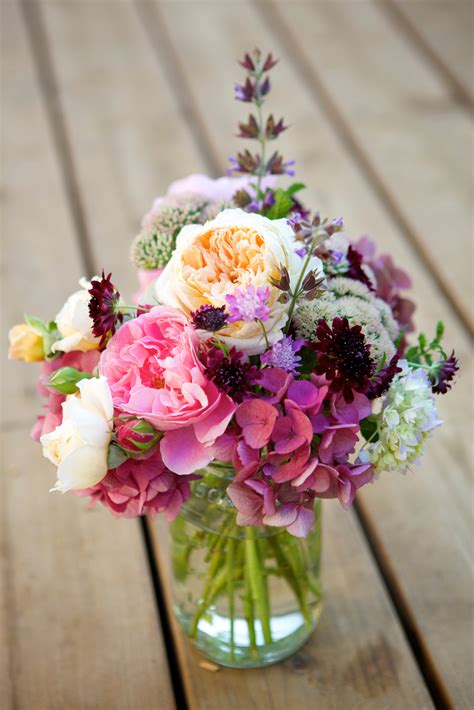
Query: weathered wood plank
<point x="444" y="33"/>
<point x="126" y="142"/>
<point x="81" y="627"/>
<point x="405" y="518"/>
<point x="408" y="134"/>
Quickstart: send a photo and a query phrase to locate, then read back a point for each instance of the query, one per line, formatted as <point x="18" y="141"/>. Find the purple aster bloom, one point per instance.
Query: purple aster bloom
<point x="249" y="305"/>
<point x="283" y="354"/>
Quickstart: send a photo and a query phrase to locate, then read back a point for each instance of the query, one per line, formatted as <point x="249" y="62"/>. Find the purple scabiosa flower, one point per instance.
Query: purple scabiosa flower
<point x="283" y="354"/>
<point x="210" y="318"/>
<point x="380" y="383"/>
<point x="249" y="305"/>
<point x="445" y="375"/>
<point x="231" y="373"/>
<point x="104" y="298"/>
<point x="344" y="357"/>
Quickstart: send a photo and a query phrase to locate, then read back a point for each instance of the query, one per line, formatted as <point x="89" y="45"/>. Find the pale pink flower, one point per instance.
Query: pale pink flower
<point x="141" y="487"/>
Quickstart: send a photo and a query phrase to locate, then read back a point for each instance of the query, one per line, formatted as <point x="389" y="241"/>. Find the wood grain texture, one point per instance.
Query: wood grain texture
<point x="121" y="118"/>
<point x="79" y="622"/>
<point x="400" y="122"/>
<point x="357" y="656"/>
<point x="444" y="33"/>
<point x="34" y="208"/>
<point x="404" y="511"/>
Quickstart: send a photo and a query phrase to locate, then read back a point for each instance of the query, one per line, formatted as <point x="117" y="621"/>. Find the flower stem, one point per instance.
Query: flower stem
<point x="296" y="294"/>
<point x="267" y="342"/>
<point x="249" y="612"/>
<point x="230" y="563"/>
<point x="258" y="582"/>
<point x="261" y="138"/>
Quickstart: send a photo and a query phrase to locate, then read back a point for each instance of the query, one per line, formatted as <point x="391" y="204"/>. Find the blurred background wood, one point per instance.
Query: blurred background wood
<point x="104" y="104"/>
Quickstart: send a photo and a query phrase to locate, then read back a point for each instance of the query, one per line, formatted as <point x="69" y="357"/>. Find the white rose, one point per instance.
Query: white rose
<point x="74" y="323"/>
<point x="79" y="446"/>
<point x="229" y="253"/>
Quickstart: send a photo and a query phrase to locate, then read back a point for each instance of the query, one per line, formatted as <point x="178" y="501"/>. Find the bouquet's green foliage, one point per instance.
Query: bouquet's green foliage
<point x="65" y="379"/>
<point x="48" y="331"/>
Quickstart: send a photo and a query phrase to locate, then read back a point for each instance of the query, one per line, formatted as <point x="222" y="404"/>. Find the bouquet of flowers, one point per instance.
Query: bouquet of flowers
<point x="264" y="366"/>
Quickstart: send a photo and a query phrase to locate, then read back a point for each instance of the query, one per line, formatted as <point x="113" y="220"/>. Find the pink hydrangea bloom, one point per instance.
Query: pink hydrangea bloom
<point x="86" y="362"/>
<point x="154" y="372"/>
<point x="141" y="487"/>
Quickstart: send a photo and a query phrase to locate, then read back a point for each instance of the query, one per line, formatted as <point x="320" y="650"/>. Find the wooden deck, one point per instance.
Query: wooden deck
<point x="104" y="103"/>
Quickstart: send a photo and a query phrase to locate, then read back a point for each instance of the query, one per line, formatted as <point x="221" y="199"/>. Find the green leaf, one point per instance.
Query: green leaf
<point x="308" y="360"/>
<point x="413" y="354"/>
<point x="37" y="324"/>
<point x="294" y="188"/>
<point x="282" y="205"/>
<point x="116" y="456"/>
<point x="368" y="428"/>
<point x="65" y="379"/>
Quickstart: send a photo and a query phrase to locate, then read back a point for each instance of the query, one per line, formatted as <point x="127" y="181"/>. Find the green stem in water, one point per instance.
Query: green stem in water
<point x="249" y="612"/>
<point x="230" y="564"/>
<point x="258" y="582"/>
<point x="297" y="584"/>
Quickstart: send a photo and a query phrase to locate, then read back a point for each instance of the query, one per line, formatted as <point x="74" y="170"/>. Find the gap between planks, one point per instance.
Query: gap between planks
<point x="426" y="663"/>
<point x="158" y="36"/>
<point x="271" y="14"/>
<point x="47" y="82"/>
<point x="48" y="85"/>
<point x="457" y="88"/>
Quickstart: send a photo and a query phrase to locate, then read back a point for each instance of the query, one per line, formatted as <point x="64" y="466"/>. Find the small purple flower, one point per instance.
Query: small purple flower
<point x="302" y="251"/>
<point x="283" y="354"/>
<point x="249" y="305"/>
<point x="209" y="318"/>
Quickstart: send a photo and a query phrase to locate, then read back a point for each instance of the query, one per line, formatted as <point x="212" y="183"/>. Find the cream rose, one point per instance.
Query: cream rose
<point x="79" y="445"/>
<point x="74" y="323"/>
<point x="227" y="254"/>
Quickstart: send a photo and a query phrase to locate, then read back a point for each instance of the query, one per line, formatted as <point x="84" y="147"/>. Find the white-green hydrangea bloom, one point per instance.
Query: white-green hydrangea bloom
<point x="347" y="298"/>
<point x="407" y="415"/>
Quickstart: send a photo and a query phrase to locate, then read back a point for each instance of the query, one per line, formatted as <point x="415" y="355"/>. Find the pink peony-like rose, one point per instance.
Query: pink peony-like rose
<point x="141" y="487"/>
<point x="154" y="373"/>
<point x="84" y="361"/>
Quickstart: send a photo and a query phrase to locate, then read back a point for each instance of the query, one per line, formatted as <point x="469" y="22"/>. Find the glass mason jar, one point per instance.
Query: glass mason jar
<point x="246" y="596"/>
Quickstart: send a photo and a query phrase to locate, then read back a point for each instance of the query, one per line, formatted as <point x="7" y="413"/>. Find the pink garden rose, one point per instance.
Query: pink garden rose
<point x="154" y="373"/>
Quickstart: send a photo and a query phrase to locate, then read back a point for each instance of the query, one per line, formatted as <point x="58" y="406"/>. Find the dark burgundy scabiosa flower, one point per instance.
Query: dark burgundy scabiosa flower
<point x="209" y="318"/>
<point x="356" y="271"/>
<point x="344" y="357"/>
<point x="380" y="382"/>
<point x="230" y="373"/>
<point x="442" y="381"/>
<point x="103" y="308"/>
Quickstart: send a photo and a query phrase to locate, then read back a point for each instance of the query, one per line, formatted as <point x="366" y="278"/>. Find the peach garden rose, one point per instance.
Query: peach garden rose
<point x="226" y="255"/>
